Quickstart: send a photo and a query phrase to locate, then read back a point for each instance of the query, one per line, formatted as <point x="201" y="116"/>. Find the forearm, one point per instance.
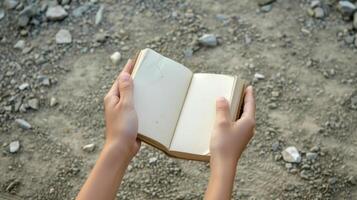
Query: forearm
<point x="221" y="181"/>
<point x="106" y="175"/>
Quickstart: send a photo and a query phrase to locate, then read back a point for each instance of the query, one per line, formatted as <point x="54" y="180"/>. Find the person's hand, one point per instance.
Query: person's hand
<point x="229" y="138"/>
<point x="120" y="115"/>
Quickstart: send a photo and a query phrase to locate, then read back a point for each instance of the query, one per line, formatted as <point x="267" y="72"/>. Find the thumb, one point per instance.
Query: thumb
<point x="126" y="88"/>
<point x="223" y="116"/>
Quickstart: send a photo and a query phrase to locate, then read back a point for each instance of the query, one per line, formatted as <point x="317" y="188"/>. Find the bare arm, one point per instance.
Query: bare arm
<point x="121" y="144"/>
<point x="228" y="142"/>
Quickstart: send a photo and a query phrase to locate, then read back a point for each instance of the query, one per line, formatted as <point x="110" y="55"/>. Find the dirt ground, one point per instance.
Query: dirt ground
<point x="307" y="98"/>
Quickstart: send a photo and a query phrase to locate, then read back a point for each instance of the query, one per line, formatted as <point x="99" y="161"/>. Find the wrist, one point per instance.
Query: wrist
<point x="221" y="164"/>
<point x="118" y="151"/>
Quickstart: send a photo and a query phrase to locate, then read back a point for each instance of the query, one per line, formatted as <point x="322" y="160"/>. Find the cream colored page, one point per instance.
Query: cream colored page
<point x="195" y="125"/>
<point x="160" y="87"/>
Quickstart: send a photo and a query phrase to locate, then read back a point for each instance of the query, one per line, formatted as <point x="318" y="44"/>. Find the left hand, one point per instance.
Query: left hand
<point x="120" y="116"/>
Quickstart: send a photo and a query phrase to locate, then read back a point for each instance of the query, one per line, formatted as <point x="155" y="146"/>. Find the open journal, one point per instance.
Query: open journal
<point x="176" y="108"/>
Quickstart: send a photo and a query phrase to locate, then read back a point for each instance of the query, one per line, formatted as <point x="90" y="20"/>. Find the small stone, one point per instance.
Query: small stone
<point x="20" y="45"/>
<point x="27" y="50"/>
<point x="100" y="37"/>
<point x="305" y="174"/>
<point x="24" y="86"/>
<point x="23" y="20"/>
<point x="209" y="40"/>
<point x="115" y="58"/>
<point x="346" y="8"/>
<point x="10" y="4"/>
<point x="311" y="156"/>
<point x="264" y="2"/>
<point x="14" y="146"/>
<point x="349" y="39"/>
<point x="12" y="186"/>
<point x="352" y="180"/>
<point x="2" y="13"/>
<point x="315" y="3"/>
<point x="275" y="93"/>
<point x="80" y="10"/>
<point x="292" y="155"/>
<point x="44" y="80"/>
<point x="89" y="147"/>
<point x="23" y="124"/>
<point x="319" y="13"/>
<point x="65" y="2"/>
<point x="152" y="160"/>
<point x="258" y="76"/>
<point x="53" y="102"/>
<point x="275" y="146"/>
<point x="266" y="8"/>
<point x="99" y="15"/>
<point x="56" y="13"/>
<point x="188" y="53"/>
<point x="34" y="103"/>
<point x="355" y="20"/>
<point x="288" y="165"/>
<point x="63" y="36"/>
<point x="272" y="105"/>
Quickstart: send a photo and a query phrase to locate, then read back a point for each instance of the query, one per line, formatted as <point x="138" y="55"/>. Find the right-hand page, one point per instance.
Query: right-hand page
<point x="193" y="130"/>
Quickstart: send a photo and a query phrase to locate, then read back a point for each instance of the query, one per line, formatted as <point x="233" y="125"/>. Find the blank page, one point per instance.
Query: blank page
<point x="198" y="114"/>
<point x="160" y="87"/>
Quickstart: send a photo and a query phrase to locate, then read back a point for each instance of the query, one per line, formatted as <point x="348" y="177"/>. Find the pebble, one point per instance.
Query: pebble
<point x="311" y="156"/>
<point x="209" y="40"/>
<point x="355" y="20"/>
<point x="259" y="76"/>
<point x="89" y="147"/>
<point x="20" y="45"/>
<point x="24" y="86"/>
<point x="56" y="13"/>
<point x="14" y="146"/>
<point x="264" y="2"/>
<point x="23" y="20"/>
<point x="99" y="15"/>
<point x="80" y="10"/>
<point x="315" y="3"/>
<point x="10" y="4"/>
<point x="291" y="154"/>
<point x="349" y="39"/>
<point x="63" y="36"/>
<point x="100" y="37"/>
<point x="53" y="102"/>
<point x="275" y="93"/>
<point x="23" y="124"/>
<point x="346" y="8"/>
<point x="319" y="13"/>
<point x="34" y="103"/>
<point x="44" y="80"/>
<point x="152" y="160"/>
<point x="2" y="13"/>
<point x="266" y="8"/>
<point x="115" y="58"/>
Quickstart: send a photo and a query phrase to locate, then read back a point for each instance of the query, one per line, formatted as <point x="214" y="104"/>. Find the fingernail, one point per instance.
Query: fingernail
<point x="221" y="99"/>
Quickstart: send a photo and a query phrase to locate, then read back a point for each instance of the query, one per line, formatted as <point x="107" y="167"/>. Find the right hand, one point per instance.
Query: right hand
<point x="229" y="138"/>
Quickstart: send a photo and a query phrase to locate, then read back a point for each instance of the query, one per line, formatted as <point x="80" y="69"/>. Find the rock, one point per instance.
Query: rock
<point x="355" y="20"/>
<point x="266" y="8"/>
<point x="346" y="8"/>
<point x="264" y="2"/>
<point x="115" y="58"/>
<point x="315" y="149"/>
<point x="56" y="13"/>
<point x="258" y="76"/>
<point x="99" y="15"/>
<point x="20" y="45"/>
<point x="305" y="174"/>
<point x="2" y="13"/>
<point x="352" y="180"/>
<point x="23" y="124"/>
<point x="14" y="146"/>
<point x="291" y="154"/>
<point x="89" y="147"/>
<point x="65" y="2"/>
<point x="27" y="50"/>
<point x="44" y="80"/>
<point x="34" y="103"/>
<point x="63" y="36"/>
<point x="23" y="20"/>
<point x="275" y="93"/>
<point x="209" y="40"/>
<point x="100" y="37"/>
<point x="319" y="13"/>
<point x="53" y="101"/>
<point x="152" y="160"/>
<point x="349" y="39"/>
<point x="13" y="185"/>
<point x="24" y="86"/>
<point x="315" y="3"/>
<point x="80" y="10"/>
<point x="311" y="156"/>
<point x="275" y="146"/>
<point x="10" y="4"/>
<point x="188" y="52"/>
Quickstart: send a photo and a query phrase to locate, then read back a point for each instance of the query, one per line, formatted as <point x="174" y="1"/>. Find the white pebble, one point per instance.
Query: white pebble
<point x="14" y="146"/>
<point x="292" y="155"/>
<point x="115" y="58"/>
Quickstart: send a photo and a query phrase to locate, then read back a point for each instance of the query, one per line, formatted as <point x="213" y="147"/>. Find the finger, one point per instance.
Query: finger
<point x="249" y="103"/>
<point x="129" y="66"/>
<point x="126" y="88"/>
<point x="223" y="116"/>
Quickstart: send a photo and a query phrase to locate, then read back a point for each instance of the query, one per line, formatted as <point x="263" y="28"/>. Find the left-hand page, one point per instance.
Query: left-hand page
<point x="160" y="87"/>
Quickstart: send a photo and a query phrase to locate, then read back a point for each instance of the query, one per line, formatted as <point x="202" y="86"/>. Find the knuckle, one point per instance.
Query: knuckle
<point x="251" y="122"/>
<point x="222" y="123"/>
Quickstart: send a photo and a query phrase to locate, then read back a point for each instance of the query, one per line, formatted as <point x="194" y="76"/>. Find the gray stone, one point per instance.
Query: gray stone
<point x="209" y="40"/>
<point x="264" y="2"/>
<point x="349" y="39"/>
<point x="275" y="146"/>
<point x="311" y="156"/>
<point x="258" y="76"/>
<point x="53" y="102"/>
<point x="34" y="103"/>
<point x="89" y="147"/>
<point x="315" y="3"/>
<point x="99" y="15"/>
<point x="80" y="10"/>
<point x="23" y="124"/>
<point x="291" y="155"/>
<point x="65" y="2"/>
<point x="319" y="13"/>
<point x="44" y="80"/>
<point x="266" y="8"/>
<point x="56" y="13"/>
<point x="23" y="20"/>
<point x="188" y="52"/>
<point x="20" y="44"/>
<point x="30" y="10"/>
<point x="346" y="8"/>
<point x="24" y="86"/>
<point x="152" y="160"/>
<point x="115" y="58"/>
<point x="355" y="20"/>
<point x="14" y="146"/>
<point x="63" y="36"/>
<point x="10" y="4"/>
<point x="100" y="37"/>
<point x="2" y="13"/>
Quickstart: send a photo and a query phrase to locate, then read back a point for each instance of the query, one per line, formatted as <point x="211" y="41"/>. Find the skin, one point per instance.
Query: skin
<point x="228" y="142"/>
